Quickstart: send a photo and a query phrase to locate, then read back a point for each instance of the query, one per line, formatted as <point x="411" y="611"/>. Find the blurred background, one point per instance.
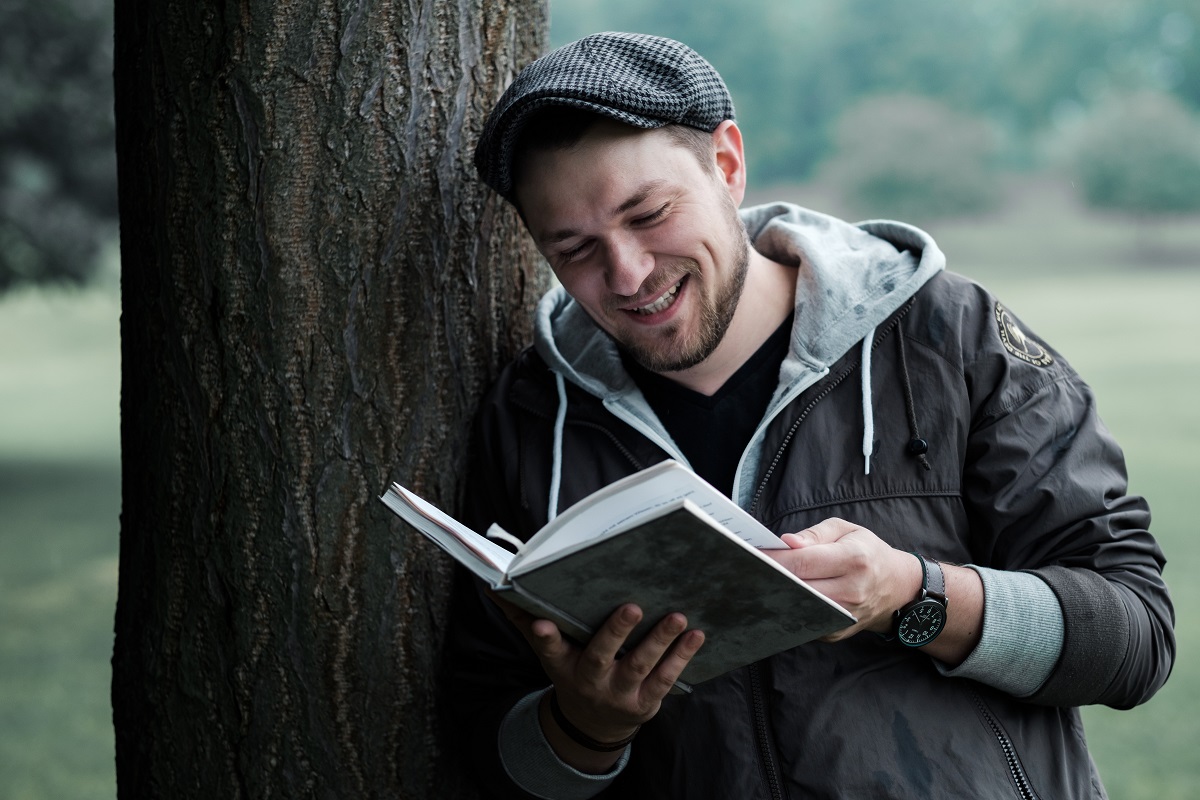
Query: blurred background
<point x="1053" y="149"/>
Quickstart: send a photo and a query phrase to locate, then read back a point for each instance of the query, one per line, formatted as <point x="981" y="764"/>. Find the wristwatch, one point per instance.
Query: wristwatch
<point x="920" y="622"/>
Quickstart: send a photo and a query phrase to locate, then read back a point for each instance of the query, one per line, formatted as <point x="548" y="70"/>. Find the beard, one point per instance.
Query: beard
<point x="672" y="352"/>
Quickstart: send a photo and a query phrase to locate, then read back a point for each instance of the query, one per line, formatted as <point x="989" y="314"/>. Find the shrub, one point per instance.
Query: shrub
<point x="1138" y="153"/>
<point x="912" y="157"/>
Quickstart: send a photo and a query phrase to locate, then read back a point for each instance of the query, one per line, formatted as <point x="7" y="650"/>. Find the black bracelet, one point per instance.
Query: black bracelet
<point x="582" y="739"/>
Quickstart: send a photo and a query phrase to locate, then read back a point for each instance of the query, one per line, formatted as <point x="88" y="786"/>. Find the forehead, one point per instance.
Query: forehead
<point x="607" y="168"/>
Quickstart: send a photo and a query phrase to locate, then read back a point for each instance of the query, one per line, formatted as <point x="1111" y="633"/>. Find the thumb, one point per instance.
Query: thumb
<point x="798" y="540"/>
<point x="827" y="531"/>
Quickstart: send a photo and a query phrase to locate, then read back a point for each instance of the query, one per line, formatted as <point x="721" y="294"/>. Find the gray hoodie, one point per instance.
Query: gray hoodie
<point x="850" y="278"/>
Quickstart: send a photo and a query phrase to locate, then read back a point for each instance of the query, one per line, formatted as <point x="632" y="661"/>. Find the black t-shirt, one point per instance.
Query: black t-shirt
<point x="713" y="431"/>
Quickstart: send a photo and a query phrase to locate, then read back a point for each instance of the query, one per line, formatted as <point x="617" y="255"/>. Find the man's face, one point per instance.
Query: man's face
<point x="643" y="237"/>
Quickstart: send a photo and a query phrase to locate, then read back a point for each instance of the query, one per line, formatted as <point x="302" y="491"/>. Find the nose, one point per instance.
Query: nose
<point x="629" y="263"/>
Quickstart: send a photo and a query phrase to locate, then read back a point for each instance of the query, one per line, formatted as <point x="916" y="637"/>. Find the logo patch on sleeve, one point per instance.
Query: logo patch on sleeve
<point x="1017" y="342"/>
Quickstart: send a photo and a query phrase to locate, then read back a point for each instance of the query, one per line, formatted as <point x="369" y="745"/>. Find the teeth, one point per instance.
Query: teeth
<point x="661" y="303"/>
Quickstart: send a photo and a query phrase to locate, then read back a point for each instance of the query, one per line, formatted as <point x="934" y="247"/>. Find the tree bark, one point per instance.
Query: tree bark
<point x="315" y="290"/>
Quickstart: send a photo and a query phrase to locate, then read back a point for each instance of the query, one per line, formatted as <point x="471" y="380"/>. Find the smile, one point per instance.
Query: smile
<point x="665" y="300"/>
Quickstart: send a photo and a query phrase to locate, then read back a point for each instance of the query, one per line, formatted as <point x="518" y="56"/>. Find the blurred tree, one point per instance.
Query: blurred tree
<point x="794" y="68"/>
<point x="912" y="158"/>
<point x="58" y="199"/>
<point x="315" y="291"/>
<point x="1138" y="153"/>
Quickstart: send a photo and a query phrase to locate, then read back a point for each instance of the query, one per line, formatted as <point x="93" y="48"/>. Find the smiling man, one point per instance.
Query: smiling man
<point x="646" y="238"/>
<point x="959" y="497"/>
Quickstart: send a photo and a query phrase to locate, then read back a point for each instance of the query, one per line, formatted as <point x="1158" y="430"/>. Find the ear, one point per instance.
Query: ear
<point x="731" y="159"/>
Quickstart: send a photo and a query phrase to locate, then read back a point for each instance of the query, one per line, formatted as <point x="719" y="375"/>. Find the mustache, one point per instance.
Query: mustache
<point x="656" y="283"/>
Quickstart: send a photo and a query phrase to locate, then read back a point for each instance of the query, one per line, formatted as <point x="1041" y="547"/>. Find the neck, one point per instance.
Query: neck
<point x="768" y="297"/>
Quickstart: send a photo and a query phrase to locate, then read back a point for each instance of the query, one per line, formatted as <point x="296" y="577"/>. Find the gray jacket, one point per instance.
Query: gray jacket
<point x="1020" y="478"/>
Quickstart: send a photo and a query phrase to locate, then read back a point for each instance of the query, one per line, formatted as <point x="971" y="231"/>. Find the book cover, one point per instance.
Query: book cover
<point x="662" y="538"/>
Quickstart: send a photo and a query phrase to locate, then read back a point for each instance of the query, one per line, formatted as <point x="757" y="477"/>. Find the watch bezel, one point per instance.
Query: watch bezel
<point x="933" y="596"/>
<point x="909" y="611"/>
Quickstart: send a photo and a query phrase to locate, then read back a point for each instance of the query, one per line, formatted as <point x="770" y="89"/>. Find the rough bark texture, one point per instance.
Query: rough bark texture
<point x="315" y="292"/>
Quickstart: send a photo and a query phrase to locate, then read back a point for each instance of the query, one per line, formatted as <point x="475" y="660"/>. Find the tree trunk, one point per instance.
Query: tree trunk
<point x="315" y="290"/>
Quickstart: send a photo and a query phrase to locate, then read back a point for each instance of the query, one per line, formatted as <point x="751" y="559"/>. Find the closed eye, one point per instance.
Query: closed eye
<point x="653" y="216"/>
<point x="567" y="256"/>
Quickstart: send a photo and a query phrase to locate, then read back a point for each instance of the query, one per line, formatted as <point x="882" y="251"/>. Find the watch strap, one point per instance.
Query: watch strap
<point x="933" y="578"/>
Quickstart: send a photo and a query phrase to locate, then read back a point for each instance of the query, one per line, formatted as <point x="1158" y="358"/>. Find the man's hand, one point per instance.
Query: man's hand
<point x="872" y="580"/>
<point x="604" y="696"/>
<point x="855" y="568"/>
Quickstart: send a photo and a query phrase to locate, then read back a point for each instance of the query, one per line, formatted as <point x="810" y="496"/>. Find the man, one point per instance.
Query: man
<point x="933" y="468"/>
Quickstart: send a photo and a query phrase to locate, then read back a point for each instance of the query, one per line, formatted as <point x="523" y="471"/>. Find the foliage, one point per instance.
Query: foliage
<point x="794" y="68"/>
<point x="912" y="158"/>
<point x="1139" y="153"/>
<point x="57" y="164"/>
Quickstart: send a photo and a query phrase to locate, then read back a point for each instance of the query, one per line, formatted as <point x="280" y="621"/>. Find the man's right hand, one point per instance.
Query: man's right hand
<point x="604" y="696"/>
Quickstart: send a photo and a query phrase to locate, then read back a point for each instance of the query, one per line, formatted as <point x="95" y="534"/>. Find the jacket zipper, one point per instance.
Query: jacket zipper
<point x="829" y="387"/>
<point x="783" y="446"/>
<point x="762" y="734"/>
<point x="1015" y="770"/>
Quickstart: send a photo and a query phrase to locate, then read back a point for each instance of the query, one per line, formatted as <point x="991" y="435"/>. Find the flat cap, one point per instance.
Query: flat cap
<point x="640" y="80"/>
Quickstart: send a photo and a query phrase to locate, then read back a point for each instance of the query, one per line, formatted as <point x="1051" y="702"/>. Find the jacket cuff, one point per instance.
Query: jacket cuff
<point x="1097" y="631"/>
<point x="534" y="766"/>
<point x="1022" y="635"/>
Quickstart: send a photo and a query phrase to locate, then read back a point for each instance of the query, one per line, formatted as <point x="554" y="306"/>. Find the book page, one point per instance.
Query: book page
<point x="625" y="503"/>
<point x="482" y="556"/>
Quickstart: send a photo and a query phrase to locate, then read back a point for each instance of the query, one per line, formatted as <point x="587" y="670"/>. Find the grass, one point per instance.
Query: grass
<point x="1121" y="307"/>
<point x="59" y="501"/>
<point x="58" y="586"/>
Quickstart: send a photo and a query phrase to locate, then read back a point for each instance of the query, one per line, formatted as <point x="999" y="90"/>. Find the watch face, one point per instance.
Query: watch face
<point x="921" y="623"/>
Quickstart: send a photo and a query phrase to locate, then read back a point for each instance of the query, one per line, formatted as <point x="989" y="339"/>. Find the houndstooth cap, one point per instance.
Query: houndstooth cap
<point x="641" y="80"/>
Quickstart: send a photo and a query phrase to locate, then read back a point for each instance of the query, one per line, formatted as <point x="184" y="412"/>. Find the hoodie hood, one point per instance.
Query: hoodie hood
<point x="849" y="278"/>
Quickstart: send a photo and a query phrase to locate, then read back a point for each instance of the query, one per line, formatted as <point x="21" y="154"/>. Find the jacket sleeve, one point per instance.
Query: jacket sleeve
<point x="1045" y="487"/>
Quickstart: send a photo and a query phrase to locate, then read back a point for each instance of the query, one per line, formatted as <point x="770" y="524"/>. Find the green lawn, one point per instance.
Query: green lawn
<point x="60" y="490"/>
<point x="1122" y="311"/>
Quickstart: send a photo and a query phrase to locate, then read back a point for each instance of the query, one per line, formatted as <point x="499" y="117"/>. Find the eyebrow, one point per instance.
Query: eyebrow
<point x="636" y="199"/>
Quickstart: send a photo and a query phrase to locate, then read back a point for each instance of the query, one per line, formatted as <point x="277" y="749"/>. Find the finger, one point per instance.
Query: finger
<point x="549" y="645"/>
<point x="851" y="553"/>
<point x="826" y="531"/>
<point x="796" y="541"/>
<point x="597" y="659"/>
<point x="813" y="563"/>
<point x="671" y="666"/>
<point x="636" y="664"/>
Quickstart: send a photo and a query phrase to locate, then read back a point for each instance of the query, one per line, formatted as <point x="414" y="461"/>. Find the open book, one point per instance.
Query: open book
<point x="662" y="538"/>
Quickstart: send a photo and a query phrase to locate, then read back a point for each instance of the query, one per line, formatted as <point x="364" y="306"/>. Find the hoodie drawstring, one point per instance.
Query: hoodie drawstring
<point x="560" y="419"/>
<point x="917" y="446"/>
<point x="868" y="443"/>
